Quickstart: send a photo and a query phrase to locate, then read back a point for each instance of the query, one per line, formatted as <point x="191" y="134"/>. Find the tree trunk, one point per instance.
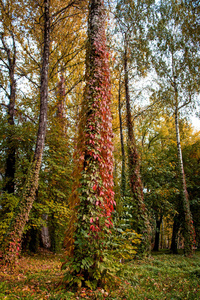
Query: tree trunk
<point x="140" y="213"/>
<point x="93" y="198"/>
<point x="12" y="241"/>
<point x="157" y="234"/>
<point x="11" y="148"/>
<point x="123" y="176"/>
<point x="46" y="240"/>
<point x="189" y="232"/>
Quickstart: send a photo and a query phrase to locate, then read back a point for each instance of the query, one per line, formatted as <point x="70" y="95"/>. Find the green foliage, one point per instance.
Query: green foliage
<point x="100" y="264"/>
<point x="22" y="138"/>
<point x="8" y="203"/>
<point x="195" y="273"/>
<point x="59" y="215"/>
<point x="127" y="221"/>
<point x="191" y="156"/>
<point x="123" y="244"/>
<point x="132" y="18"/>
<point x="90" y="265"/>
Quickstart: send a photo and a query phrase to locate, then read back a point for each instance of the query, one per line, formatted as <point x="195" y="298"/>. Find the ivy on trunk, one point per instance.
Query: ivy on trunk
<point x="10" y="51"/>
<point x="93" y="198"/>
<point x="140" y="216"/>
<point x="12" y="240"/>
<point x="189" y="231"/>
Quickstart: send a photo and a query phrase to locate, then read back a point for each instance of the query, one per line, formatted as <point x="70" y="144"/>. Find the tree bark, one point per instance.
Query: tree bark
<point x="157" y="234"/>
<point x="189" y="232"/>
<point x="140" y="213"/>
<point x="46" y="240"/>
<point x="12" y="240"/>
<point x="11" y="148"/>
<point x="123" y="175"/>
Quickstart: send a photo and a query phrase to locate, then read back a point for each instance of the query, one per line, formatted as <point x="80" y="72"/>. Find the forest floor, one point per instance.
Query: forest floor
<point x="161" y="276"/>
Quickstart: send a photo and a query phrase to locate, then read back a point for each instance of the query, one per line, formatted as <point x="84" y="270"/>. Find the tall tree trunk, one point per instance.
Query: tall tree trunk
<point x="189" y="232"/>
<point x="12" y="240"/>
<point x="123" y="175"/>
<point x="157" y="234"/>
<point x="11" y="148"/>
<point x="93" y="198"/>
<point x="140" y="213"/>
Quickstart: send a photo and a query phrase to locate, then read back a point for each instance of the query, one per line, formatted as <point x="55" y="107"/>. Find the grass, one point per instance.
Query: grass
<point x="163" y="276"/>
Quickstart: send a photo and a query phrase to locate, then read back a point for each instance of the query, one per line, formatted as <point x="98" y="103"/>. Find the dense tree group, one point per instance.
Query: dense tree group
<point x="97" y="151"/>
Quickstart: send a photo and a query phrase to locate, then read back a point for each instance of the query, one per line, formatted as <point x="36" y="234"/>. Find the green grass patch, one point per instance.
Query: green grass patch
<point x="163" y="276"/>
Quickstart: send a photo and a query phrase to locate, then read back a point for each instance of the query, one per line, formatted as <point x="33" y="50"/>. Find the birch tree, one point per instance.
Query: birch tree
<point x="176" y="61"/>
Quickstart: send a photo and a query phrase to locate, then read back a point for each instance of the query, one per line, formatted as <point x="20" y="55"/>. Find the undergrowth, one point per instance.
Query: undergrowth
<point x="163" y="276"/>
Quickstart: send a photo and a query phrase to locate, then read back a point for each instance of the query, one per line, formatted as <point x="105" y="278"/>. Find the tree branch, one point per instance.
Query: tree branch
<point x="3" y="104"/>
<point x="6" y="65"/>
<point x="76" y="83"/>
<point x="7" y="51"/>
<point x="153" y="138"/>
<point x="62" y="10"/>
<point x="29" y="79"/>
<point x="60" y="19"/>
<point x="74" y="53"/>
<point x="144" y="110"/>
<point x="7" y="94"/>
<point x="20" y="112"/>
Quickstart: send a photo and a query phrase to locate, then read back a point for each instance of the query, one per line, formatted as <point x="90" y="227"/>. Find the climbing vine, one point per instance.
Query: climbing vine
<point x="93" y="198"/>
